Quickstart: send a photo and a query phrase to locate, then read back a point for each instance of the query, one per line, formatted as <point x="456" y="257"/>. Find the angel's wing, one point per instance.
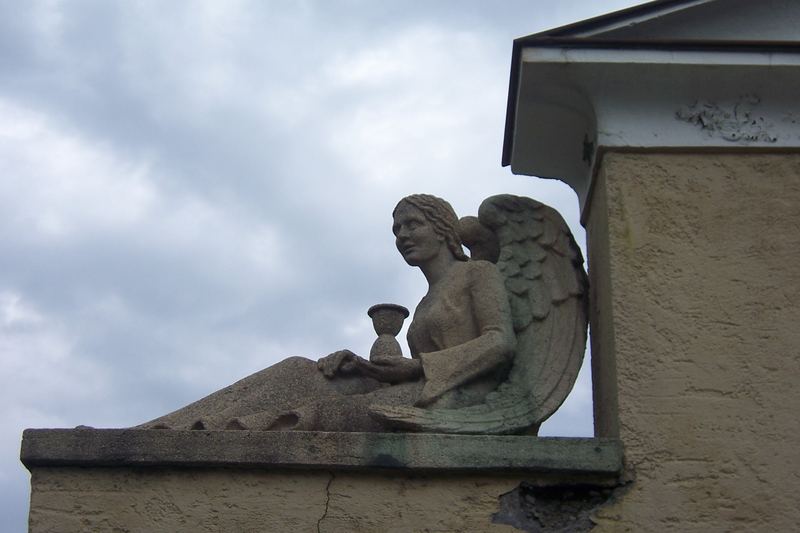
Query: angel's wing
<point x="547" y="290"/>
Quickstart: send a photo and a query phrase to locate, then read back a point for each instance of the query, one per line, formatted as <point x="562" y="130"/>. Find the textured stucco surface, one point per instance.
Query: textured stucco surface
<point x="699" y="326"/>
<point x="67" y="499"/>
<point x="147" y="480"/>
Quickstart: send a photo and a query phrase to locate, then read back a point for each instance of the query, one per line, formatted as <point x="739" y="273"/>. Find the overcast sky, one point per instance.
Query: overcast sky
<point x="192" y="191"/>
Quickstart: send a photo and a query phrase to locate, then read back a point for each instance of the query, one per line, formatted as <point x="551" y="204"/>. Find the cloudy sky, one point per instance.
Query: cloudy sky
<point x="192" y="191"/>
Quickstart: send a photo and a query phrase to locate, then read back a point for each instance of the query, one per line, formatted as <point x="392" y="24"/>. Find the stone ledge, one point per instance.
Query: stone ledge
<point x="471" y="453"/>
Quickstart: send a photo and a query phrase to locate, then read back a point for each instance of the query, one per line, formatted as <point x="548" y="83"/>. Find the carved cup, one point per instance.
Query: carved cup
<point x="387" y="319"/>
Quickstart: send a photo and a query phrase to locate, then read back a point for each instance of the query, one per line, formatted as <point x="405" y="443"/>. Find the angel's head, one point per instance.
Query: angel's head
<point x="420" y="222"/>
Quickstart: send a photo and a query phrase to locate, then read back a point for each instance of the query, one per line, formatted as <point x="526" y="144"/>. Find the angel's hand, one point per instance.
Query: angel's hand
<point x="341" y="362"/>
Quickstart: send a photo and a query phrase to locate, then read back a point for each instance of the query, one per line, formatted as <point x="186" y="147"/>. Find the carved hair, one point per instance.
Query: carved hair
<point x="442" y="217"/>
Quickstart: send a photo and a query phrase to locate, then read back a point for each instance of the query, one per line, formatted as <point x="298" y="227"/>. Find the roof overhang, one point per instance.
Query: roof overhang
<point x="572" y="96"/>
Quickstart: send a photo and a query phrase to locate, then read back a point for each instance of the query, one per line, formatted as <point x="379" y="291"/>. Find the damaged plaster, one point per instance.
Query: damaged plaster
<point x="736" y="121"/>
<point x="559" y="509"/>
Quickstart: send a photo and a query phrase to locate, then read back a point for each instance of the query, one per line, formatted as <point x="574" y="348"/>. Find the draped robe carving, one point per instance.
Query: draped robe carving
<point x="495" y="348"/>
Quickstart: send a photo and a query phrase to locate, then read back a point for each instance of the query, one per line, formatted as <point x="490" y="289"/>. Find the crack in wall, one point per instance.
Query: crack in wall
<point x="327" y="502"/>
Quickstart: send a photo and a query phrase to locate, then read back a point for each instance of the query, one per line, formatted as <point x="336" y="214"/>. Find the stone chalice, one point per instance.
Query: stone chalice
<point x="387" y="319"/>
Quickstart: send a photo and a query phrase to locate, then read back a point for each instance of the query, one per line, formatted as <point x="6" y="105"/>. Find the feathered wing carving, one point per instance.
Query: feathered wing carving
<point x="547" y="289"/>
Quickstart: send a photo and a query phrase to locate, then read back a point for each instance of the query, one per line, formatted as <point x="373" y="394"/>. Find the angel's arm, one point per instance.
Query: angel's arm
<point x="388" y="370"/>
<point x="493" y="347"/>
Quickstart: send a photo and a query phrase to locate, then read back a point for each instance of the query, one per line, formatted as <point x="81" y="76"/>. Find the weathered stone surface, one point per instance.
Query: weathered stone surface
<point x="72" y="500"/>
<point x="387" y="319"/>
<point x="188" y="481"/>
<point x="588" y="459"/>
<point x="495" y="348"/>
<point x="697" y="336"/>
<point x="543" y="293"/>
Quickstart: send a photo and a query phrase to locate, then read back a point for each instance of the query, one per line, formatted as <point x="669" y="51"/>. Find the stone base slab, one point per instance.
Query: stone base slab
<point x="188" y="481"/>
<point x="582" y="457"/>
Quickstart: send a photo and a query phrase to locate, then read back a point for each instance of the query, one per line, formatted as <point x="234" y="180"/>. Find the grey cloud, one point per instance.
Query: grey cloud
<point x="193" y="191"/>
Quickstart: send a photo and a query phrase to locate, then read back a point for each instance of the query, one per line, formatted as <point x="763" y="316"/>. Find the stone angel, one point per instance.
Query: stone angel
<point x="496" y="343"/>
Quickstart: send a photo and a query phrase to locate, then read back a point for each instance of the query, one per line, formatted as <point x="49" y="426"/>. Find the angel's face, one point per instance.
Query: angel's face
<point x="415" y="237"/>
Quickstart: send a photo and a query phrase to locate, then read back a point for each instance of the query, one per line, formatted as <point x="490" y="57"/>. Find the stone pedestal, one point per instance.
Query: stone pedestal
<point x="140" y="480"/>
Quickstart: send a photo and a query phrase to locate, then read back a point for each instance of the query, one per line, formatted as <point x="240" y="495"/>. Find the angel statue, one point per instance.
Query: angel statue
<point x="496" y="343"/>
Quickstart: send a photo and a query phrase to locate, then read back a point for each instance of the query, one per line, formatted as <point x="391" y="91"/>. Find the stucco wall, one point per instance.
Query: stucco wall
<point x="88" y="479"/>
<point x="148" y="500"/>
<point x="696" y="333"/>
